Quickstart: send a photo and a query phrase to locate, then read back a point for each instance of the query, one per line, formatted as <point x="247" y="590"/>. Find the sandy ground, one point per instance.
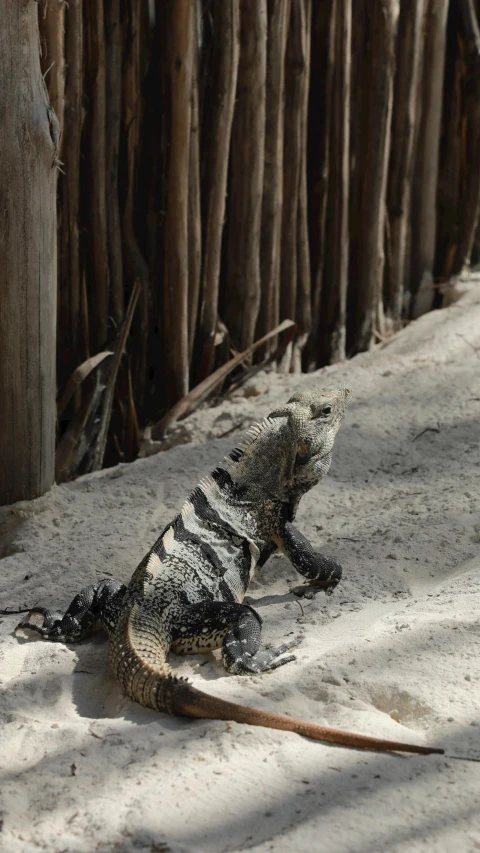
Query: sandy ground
<point x="394" y="652"/>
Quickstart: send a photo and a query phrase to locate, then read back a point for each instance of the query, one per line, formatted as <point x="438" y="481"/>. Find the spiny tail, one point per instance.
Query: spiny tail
<point x="155" y="687"/>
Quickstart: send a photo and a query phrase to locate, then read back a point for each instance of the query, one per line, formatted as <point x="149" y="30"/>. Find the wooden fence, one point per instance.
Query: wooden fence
<point x="225" y="165"/>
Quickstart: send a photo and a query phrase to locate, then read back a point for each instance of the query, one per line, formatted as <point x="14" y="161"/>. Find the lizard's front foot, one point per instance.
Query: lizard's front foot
<point x="331" y="573"/>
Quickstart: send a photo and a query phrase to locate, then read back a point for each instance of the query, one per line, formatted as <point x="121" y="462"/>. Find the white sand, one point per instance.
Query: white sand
<point x="394" y="652"/>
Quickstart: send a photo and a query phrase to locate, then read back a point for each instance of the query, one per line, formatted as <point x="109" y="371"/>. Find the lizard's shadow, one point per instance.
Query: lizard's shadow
<point x="96" y="693"/>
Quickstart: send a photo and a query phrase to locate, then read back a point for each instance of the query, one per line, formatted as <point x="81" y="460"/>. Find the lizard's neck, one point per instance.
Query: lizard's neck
<point x="306" y="479"/>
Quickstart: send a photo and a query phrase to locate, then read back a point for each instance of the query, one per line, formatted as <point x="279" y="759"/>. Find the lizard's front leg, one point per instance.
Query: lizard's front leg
<point x="322" y="572"/>
<point x="100" y="602"/>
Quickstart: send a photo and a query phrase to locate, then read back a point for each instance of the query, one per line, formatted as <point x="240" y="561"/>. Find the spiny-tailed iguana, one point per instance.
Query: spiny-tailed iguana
<point x="187" y="593"/>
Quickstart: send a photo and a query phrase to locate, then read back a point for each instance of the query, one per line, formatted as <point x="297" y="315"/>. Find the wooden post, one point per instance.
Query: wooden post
<point x="424" y="220"/>
<point x="247" y="157"/>
<point x="470" y="201"/>
<point x="52" y="45"/>
<point x="113" y="84"/>
<point x="134" y="261"/>
<point x="194" y="211"/>
<point x="334" y="296"/>
<point x="295" y="82"/>
<point x="73" y="340"/>
<point x="404" y="122"/>
<point x="323" y="62"/>
<point x="28" y="152"/>
<point x="368" y="256"/>
<point x="97" y="203"/>
<point x="303" y="307"/>
<point x="452" y="139"/>
<point x="176" y="226"/>
<point x="269" y="316"/>
<point x="221" y="100"/>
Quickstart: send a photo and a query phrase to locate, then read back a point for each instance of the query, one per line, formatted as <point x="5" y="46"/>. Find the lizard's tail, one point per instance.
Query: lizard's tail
<point x="189" y="702"/>
<point x="146" y="677"/>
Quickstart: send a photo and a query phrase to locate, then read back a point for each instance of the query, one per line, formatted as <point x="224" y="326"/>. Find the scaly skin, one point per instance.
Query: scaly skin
<point x="187" y="593"/>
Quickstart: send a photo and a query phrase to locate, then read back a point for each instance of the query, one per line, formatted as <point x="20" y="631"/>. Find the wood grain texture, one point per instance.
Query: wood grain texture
<point x="28" y="263"/>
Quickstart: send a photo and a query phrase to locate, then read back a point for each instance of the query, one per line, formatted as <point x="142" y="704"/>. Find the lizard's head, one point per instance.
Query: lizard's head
<point x="290" y="451"/>
<point x="314" y="418"/>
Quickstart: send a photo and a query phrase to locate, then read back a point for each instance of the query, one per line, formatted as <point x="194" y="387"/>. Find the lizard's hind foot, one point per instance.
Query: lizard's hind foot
<point x="264" y="661"/>
<point x="53" y="625"/>
<point x="101" y="601"/>
<point x="43" y="622"/>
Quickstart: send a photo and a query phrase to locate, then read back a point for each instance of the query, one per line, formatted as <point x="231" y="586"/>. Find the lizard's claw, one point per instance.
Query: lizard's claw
<point x="269" y="659"/>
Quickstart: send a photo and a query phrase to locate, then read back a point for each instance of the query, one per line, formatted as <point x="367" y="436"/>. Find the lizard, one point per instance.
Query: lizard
<point x="187" y="593"/>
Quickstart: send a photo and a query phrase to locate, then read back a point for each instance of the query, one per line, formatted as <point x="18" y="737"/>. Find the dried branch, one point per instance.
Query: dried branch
<point x="196" y="396"/>
<point x="107" y="402"/>
<point x="77" y="377"/>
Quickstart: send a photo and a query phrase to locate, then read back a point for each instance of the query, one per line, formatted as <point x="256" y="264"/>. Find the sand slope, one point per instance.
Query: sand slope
<point x="394" y="652"/>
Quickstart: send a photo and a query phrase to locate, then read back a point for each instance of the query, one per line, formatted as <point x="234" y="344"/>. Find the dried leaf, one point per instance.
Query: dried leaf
<point x="79" y="374"/>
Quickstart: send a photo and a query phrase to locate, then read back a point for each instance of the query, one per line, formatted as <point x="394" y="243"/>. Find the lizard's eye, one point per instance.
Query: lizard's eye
<point x="327" y="410"/>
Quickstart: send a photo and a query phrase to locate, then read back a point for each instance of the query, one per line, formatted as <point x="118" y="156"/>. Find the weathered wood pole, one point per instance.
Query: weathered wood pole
<point x="247" y="159"/>
<point x="470" y="202"/>
<point x="368" y="259"/>
<point x="334" y="297"/>
<point x="181" y="53"/>
<point x="404" y="123"/>
<point x="99" y="289"/>
<point x="272" y="201"/>
<point x="323" y="64"/>
<point x="72" y="334"/>
<point x="226" y="21"/>
<point x="424" y="220"/>
<point x="28" y="260"/>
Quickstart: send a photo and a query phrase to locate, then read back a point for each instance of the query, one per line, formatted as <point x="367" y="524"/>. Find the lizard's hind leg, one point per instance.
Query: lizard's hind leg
<point x="100" y="602"/>
<point x="241" y="648"/>
<point x="237" y="628"/>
